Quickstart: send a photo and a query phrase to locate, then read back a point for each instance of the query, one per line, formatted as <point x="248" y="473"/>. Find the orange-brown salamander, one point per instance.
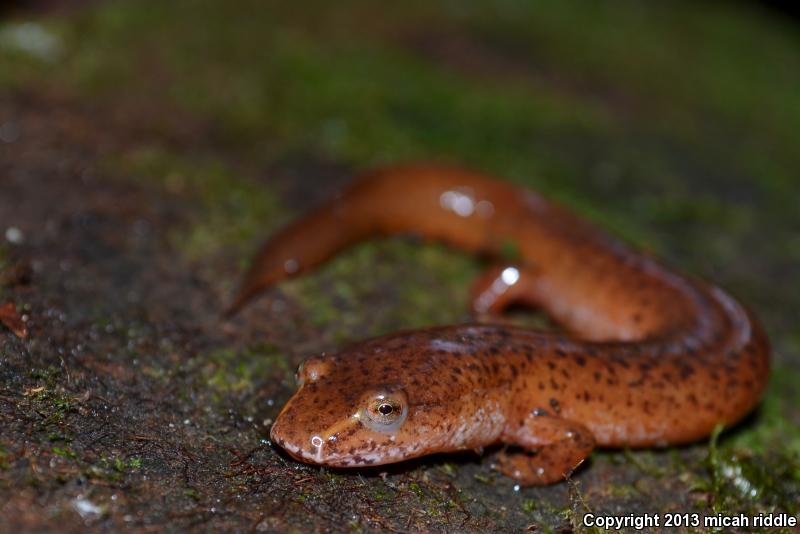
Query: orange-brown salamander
<point x="651" y="357"/>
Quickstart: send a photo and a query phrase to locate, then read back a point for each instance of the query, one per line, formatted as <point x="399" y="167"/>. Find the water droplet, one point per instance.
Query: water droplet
<point x="14" y="235"/>
<point x="510" y="276"/>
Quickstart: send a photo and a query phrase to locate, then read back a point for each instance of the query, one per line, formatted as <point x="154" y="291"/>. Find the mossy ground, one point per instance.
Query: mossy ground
<point x="148" y="147"/>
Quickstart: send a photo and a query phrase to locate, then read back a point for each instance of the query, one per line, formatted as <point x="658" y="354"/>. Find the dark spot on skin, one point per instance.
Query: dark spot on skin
<point x="580" y="360"/>
<point x="551" y="365"/>
<point x="554" y="405"/>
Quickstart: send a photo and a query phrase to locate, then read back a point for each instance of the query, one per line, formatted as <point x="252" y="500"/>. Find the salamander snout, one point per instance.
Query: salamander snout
<point x="367" y="430"/>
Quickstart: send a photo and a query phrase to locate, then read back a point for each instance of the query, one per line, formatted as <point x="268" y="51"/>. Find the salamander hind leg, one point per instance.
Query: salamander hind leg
<point x="500" y="286"/>
<point x="552" y="448"/>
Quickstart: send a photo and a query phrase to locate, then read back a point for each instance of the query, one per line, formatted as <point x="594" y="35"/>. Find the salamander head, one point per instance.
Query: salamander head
<point x="346" y="416"/>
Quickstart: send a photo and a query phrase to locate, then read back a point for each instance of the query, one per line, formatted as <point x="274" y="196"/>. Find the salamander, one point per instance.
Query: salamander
<point x="646" y="357"/>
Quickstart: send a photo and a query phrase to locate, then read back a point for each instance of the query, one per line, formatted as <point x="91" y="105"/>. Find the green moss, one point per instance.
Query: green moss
<point x="772" y="429"/>
<point x="230" y="371"/>
<point x="4" y="462"/>
<point x="645" y="462"/>
<point x="48" y="376"/>
<point x="123" y="465"/>
<point x="416" y="489"/>
<point x="27" y="50"/>
<point x="48" y="401"/>
<point x="742" y="481"/>
<point x="4" y="248"/>
<point x="547" y="517"/>
<point x="391" y="278"/>
<point x="449" y="469"/>
<point x="289" y="86"/>
<point x="112" y="468"/>
<point x="192" y="494"/>
<point x="758" y="470"/>
<point x="231" y="211"/>
<point x="484" y="479"/>
<point x="64" y="452"/>
<point x="528" y="506"/>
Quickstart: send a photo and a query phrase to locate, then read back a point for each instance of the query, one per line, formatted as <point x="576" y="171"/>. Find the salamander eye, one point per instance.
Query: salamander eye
<point x="385" y="411"/>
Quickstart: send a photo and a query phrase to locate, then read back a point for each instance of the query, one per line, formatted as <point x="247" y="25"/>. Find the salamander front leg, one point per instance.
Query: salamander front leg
<point x="552" y="449"/>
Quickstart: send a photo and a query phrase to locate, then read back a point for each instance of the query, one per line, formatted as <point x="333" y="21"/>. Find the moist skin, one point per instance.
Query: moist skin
<point x="651" y="357"/>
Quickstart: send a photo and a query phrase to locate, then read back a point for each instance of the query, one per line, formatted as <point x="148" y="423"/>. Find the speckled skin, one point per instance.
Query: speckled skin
<point x="652" y="358"/>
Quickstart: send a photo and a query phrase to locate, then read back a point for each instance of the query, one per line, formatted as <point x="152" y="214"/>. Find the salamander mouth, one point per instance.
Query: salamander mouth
<point x="320" y="457"/>
<point x="292" y="450"/>
<point x="318" y="452"/>
<point x="310" y="448"/>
